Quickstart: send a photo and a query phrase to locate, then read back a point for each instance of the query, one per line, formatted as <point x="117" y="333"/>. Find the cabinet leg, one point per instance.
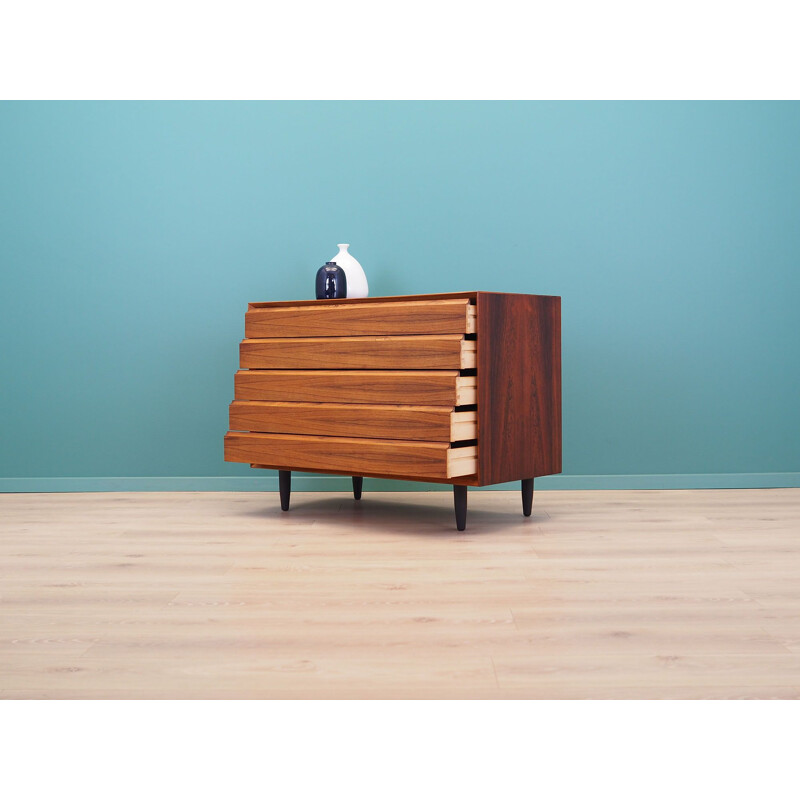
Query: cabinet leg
<point x="357" y="484"/>
<point x="527" y="496"/>
<point x="285" y="486"/>
<point x="460" y="499"/>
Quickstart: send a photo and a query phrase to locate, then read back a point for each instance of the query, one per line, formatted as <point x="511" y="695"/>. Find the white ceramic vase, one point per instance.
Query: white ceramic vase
<point x="356" y="279"/>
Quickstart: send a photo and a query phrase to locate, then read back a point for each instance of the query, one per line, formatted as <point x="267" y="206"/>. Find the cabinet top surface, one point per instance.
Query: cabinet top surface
<point x="388" y="299"/>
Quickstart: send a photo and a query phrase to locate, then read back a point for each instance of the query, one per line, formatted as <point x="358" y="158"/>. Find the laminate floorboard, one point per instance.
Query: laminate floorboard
<point x="599" y="594"/>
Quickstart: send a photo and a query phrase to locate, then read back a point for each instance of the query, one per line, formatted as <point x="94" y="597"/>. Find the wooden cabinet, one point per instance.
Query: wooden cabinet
<point x="454" y="388"/>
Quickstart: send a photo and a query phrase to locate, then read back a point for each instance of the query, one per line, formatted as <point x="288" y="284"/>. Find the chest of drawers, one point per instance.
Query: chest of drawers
<point x="460" y="388"/>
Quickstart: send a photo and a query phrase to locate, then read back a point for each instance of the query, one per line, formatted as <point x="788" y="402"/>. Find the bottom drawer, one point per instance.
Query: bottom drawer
<point x="354" y="456"/>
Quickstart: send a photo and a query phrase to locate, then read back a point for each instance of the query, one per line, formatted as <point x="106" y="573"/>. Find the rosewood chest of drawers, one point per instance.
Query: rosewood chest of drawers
<point x="460" y="388"/>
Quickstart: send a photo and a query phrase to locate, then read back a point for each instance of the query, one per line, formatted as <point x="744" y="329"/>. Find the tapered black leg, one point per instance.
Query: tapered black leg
<point x="357" y="484"/>
<point x="527" y="496"/>
<point x="285" y="485"/>
<point x="460" y="499"/>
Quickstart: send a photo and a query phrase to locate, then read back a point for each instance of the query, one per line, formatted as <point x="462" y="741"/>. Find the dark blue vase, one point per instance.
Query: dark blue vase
<point x="331" y="281"/>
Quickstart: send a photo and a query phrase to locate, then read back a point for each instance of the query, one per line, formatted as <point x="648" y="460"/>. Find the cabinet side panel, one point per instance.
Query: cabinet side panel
<point x="519" y="386"/>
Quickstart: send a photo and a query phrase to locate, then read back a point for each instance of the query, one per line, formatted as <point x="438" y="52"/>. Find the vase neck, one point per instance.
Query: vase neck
<point x="343" y="247"/>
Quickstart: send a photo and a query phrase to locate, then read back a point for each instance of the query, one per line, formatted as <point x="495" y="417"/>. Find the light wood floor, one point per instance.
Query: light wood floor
<point x="679" y="594"/>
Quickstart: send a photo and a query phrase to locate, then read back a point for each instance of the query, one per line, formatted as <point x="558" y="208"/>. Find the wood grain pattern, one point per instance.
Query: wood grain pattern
<point x="355" y="456"/>
<point x="421" y="423"/>
<point x="444" y="351"/>
<point x="201" y="595"/>
<point x="400" y="298"/>
<point x="410" y="387"/>
<point x="516" y="355"/>
<point x="373" y="319"/>
<point x="519" y="386"/>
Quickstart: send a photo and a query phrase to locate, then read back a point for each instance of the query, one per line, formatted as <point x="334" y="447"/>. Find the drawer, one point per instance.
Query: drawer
<point x="411" y="387"/>
<point x="419" y="423"/>
<point x="443" y="351"/>
<point x="382" y="457"/>
<point x="360" y="319"/>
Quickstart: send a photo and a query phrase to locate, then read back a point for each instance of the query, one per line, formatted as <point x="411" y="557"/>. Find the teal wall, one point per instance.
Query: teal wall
<point x="132" y="235"/>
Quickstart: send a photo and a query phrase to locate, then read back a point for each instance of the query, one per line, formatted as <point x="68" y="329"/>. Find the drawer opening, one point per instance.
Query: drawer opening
<point x="466" y="390"/>
<point x="464" y="426"/>
<point x="462" y="461"/>
<point x="469" y="353"/>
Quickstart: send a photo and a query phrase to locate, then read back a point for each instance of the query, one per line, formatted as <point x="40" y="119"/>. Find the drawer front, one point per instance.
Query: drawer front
<point x="416" y="423"/>
<point x="367" y="319"/>
<point x="445" y="351"/>
<point x="353" y="456"/>
<point x="414" y="387"/>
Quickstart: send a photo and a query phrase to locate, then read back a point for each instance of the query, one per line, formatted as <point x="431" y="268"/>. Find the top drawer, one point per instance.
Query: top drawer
<point x="361" y="319"/>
